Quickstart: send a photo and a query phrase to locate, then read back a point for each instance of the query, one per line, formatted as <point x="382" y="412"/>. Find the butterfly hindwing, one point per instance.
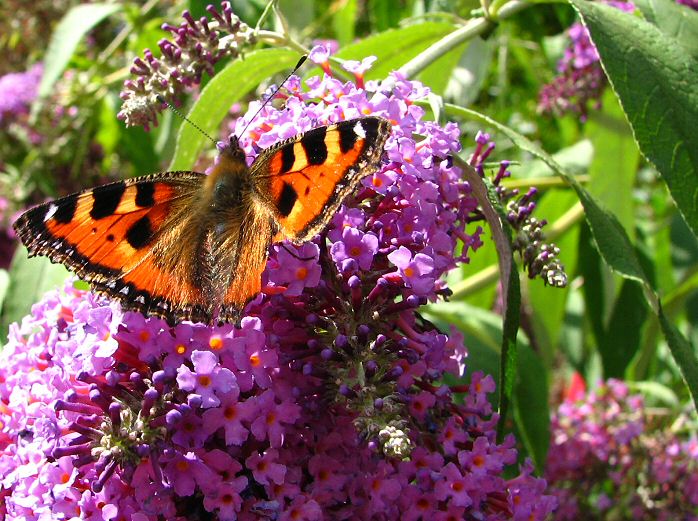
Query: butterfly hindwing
<point x="248" y="263"/>
<point x="307" y="177"/>
<point x="110" y="236"/>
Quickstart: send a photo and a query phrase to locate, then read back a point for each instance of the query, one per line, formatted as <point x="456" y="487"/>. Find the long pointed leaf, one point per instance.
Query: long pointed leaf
<point x="654" y="76"/>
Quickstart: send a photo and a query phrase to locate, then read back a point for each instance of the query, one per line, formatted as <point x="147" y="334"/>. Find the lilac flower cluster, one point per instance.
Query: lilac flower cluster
<point x="581" y="80"/>
<point x="17" y="92"/>
<point x="196" y="46"/>
<point x="325" y="402"/>
<point x="606" y="461"/>
<point x="539" y="257"/>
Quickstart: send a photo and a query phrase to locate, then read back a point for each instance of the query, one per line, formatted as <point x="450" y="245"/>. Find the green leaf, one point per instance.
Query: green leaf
<point x="548" y="303"/>
<point x="683" y="353"/>
<point x="674" y="20"/>
<point x="615" y="161"/>
<point x="344" y="22"/>
<point x="137" y="146"/>
<point x="656" y="392"/>
<point x="394" y="47"/>
<point x="29" y="280"/>
<point x="108" y="128"/>
<point x="511" y="292"/>
<point x="228" y="86"/>
<point x="472" y="70"/>
<point x="624" y="333"/>
<point x="384" y="13"/>
<point x="65" y="38"/>
<point x="655" y="79"/>
<point x="530" y="405"/>
<point x="438" y="74"/>
<point x="4" y="284"/>
<point x="610" y="237"/>
<point x="594" y="287"/>
<point x="298" y="15"/>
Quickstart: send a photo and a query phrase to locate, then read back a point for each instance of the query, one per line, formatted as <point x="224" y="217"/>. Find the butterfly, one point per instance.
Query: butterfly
<point x="190" y="246"/>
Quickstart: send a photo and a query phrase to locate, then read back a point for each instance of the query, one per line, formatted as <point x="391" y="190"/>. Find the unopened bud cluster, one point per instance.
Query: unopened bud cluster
<point x="196" y="46"/>
<point x="539" y="257"/>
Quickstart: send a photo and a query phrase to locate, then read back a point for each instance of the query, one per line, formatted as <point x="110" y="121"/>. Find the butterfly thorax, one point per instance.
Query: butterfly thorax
<point x="229" y="178"/>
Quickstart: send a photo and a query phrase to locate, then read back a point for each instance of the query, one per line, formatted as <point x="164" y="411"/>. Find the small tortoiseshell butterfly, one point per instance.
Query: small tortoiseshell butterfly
<point x="190" y="246"/>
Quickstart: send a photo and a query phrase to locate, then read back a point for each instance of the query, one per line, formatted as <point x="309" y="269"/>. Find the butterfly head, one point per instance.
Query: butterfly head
<point x="231" y="149"/>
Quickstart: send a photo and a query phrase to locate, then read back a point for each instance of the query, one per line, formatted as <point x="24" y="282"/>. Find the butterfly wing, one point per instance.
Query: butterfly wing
<point x="249" y="245"/>
<point x="304" y="180"/>
<point x="119" y="237"/>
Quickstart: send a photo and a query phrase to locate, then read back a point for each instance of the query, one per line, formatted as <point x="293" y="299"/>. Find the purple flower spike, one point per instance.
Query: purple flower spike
<point x="322" y="401"/>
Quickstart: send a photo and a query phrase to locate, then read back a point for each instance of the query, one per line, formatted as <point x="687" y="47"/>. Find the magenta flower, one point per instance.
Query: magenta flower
<point x="581" y="80"/>
<point x="415" y="270"/>
<point x="295" y="270"/>
<point x="454" y="486"/>
<point x="264" y="467"/>
<point x="269" y="423"/>
<point x="207" y="380"/>
<point x="17" y="91"/>
<point x="356" y="246"/>
<point x="229" y="416"/>
<point x="605" y="461"/>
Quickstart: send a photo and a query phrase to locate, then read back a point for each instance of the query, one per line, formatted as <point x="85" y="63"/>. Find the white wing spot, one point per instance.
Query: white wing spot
<point x="359" y="130"/>
<point x="52" y="209"/>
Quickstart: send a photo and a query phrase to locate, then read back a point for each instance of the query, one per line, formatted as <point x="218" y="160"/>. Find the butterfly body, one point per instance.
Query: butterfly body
<point x="184" y="245"/>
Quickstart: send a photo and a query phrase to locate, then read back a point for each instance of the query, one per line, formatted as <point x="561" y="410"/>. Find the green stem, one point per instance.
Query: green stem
<point x="542" y="182"/>
<point x="474" y="27"/>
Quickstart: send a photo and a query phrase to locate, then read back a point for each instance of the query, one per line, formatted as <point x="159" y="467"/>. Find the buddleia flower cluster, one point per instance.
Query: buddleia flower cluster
<point x="609" y="459"/>
<point x="326" y="401"/>
<point x="196" y="46"/>
<point x="580" y="80"/>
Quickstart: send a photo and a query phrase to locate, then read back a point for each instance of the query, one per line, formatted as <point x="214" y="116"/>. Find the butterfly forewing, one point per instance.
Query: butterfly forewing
<point x="110" y="235"/>
<point x="307" y="177"/>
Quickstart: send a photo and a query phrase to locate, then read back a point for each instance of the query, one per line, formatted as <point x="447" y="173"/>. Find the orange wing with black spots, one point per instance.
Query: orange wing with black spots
<point x="185" y="246"/>
<point x="110" y="235"/>
<point x="306" y="178"/>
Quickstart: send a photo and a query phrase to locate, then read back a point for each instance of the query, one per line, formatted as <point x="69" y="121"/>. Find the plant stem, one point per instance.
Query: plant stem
<point x="474" y="27"/>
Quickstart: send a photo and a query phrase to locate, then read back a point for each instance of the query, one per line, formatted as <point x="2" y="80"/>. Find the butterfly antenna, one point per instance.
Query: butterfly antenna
<point x="179" y="113"/>
<point x="277" y="89"/>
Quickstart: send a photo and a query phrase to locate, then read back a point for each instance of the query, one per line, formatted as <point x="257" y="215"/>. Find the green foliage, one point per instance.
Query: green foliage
<point x="226" y="88"/>
<point x="652" y="66"/>
<point x="66" y="37"/>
